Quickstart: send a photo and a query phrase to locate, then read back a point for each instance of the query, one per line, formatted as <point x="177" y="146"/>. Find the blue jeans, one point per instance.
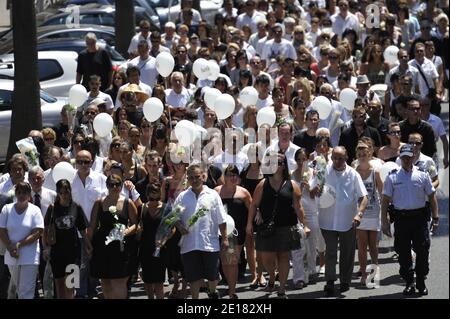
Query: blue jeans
<point x="87" y="283"/>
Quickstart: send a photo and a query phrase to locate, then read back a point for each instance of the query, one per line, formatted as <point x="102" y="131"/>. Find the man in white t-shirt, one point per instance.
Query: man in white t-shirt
<point x="262" y="85"/>
<point x="144" y="34"/>
<point x="146" y="64"/>
<point x="278" y="46"/>
<point x="344" y="19"/>
<point x="339" y="221"/>
<point x="249" y="17"/>
<point x="95" y="93"/>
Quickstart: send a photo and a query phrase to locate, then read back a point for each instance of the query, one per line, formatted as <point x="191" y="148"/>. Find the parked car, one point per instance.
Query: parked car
<point x="50" y="106"/>
<point x="78" y="45"/>
<point x="104" y="15"/>
<point x="57" y="70"/>
<point x="61" y="31"/>
<point x="208" y="9"/>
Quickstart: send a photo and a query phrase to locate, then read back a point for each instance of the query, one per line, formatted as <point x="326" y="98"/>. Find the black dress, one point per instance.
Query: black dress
<point x="67" y="248"/>
<point x="153" y="268"/>
<point x="109" y="261"/>
<point x="236" y="208"/>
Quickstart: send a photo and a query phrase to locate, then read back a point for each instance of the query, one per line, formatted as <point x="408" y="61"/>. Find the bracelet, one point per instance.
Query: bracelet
<point x="17" y="245"/>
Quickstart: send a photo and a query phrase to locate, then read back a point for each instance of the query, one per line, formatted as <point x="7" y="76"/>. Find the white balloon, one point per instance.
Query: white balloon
<point x="164" y="63"/>
<point x="224" y="106"/>
<point x="201" y="69"/>
<point x="266" y="115"/>
<point x="210" y="97"/>
<point x="248" y="96"/>
<point x="63" y="170"/>
<point x="386" y="168"/>
<point x="347" y="98"/>
<point x="390" y="54"/>
<point x="322" y="105"/>
<point x="230" y="224"/>
<point x="153" y="109"/>
<point x="103" y="124"/>
<point x="185" y="132"/>
<point x="214" y="70"/>
<point x="328" y="197"/>
<point x="77" y="95"/>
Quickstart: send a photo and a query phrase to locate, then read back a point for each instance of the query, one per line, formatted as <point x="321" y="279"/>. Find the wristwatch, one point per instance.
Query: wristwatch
<point x="360" y="214"/>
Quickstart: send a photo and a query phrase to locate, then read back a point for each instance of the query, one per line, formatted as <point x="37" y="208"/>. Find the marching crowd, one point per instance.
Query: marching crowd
<point x="298" y="189"/>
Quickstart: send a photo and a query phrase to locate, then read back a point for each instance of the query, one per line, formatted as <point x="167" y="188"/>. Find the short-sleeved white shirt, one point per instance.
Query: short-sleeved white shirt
<point x="19" y="226"/>
<point x="178" y="100"/>
<point x="148" y="70"/>
<point x="204" y="234"/>
<point x="349" y="189"/>
<point x="430" y="72"/>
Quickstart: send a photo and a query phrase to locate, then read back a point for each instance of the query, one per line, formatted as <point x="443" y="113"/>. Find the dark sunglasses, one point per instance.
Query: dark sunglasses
<point x="112" y="185"/>
<point x="81" y="162"/>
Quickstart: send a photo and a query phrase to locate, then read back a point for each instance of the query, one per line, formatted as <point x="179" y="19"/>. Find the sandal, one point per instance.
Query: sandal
<point x="234" y="296"/>
<point x="254" y="284"/>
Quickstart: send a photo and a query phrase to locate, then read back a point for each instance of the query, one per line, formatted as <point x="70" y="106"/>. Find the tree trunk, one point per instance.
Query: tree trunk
<point x="125" y="25"/>
<point x="26" y="104"/>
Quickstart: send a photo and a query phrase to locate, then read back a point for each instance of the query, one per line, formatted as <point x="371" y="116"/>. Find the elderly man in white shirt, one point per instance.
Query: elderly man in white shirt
<point x="338" y="222"/>
<point x="202" y="219"/>
<point x="52" y="158"/>
<point x="344" y="19"/>
<point x="428" y="74"/>
<point x="178" y="96"/>
<point x="87" y="187"/>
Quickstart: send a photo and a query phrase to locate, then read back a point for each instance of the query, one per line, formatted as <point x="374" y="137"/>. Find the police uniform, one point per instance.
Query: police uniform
<point x="408" y="191"/>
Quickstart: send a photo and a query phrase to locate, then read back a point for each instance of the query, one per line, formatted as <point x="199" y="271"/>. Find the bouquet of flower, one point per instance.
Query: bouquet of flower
<point x="71" y="115"/>
<point x="202" y="211"/>
<point x="28" y="149"/>
<point x="319" y="164"/>
<point x="170" y="217"/>
<point x="117" y="233"/>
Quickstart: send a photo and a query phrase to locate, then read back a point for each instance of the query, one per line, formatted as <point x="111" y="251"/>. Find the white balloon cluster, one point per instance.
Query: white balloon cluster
<point x="206" y="69"/>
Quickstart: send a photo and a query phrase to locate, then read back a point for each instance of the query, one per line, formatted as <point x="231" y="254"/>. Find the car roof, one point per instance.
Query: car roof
<point x="84" y="10"/>
<point x="43" y="55"/>
<point x="6" y="84"/>
<point x="63" y="27"/>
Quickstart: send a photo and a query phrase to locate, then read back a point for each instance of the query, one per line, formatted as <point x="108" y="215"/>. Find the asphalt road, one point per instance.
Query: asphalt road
<point x="391" y="284"/>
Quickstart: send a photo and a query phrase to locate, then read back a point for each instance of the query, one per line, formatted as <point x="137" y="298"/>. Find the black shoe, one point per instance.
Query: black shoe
<point x="421" y="288"/>
<point x="344" y="287"/>
<point x="409" y="290"/>
<point x="329" y="289"/>
<point x="214" y="295"/>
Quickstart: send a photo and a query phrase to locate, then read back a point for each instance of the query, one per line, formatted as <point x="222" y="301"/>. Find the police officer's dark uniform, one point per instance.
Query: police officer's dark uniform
<point x="408" y="191"/>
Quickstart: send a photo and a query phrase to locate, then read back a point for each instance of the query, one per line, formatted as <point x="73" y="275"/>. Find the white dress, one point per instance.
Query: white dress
<point x="371" y="218"/>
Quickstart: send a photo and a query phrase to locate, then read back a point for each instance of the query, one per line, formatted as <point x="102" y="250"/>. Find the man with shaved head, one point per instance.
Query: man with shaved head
<point x="348" y="200"/>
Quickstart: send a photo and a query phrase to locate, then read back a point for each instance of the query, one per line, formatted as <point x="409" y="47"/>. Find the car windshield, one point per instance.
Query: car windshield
<point x="115" y="56"/>
<point x="162" y="3"/>
<point x="47" y="97"/>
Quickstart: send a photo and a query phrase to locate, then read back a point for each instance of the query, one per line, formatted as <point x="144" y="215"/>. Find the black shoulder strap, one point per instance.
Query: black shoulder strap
<point x="423" y="75"/>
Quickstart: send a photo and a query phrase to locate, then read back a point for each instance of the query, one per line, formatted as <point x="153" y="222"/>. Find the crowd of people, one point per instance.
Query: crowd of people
<point x="107" y="220"/>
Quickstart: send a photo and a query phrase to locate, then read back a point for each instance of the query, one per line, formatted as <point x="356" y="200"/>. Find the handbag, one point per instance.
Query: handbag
<point x="267" y="228"/>
<point x="51" y="233"/>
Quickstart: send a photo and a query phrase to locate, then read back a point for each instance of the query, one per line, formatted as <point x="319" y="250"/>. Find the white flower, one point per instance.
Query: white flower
<point x="112" y="209"/>
<point x="11" y="193"/>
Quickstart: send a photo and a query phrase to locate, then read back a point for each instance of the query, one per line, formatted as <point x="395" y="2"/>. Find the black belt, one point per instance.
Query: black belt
<point x="410" y="212"/>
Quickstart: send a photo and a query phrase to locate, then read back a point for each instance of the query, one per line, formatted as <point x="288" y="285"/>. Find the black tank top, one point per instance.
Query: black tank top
<point x="285" y="213"/>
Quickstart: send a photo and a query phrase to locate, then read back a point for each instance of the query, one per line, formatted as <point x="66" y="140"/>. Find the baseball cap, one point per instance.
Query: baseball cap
<point x="407" y="150"/>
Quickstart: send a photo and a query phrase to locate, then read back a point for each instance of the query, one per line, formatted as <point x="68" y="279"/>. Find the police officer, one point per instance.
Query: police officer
<point x="407" y="189"/>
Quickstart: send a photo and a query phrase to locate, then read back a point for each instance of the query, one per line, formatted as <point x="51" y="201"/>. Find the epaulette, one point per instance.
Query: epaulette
<point x="395" y="170"/>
